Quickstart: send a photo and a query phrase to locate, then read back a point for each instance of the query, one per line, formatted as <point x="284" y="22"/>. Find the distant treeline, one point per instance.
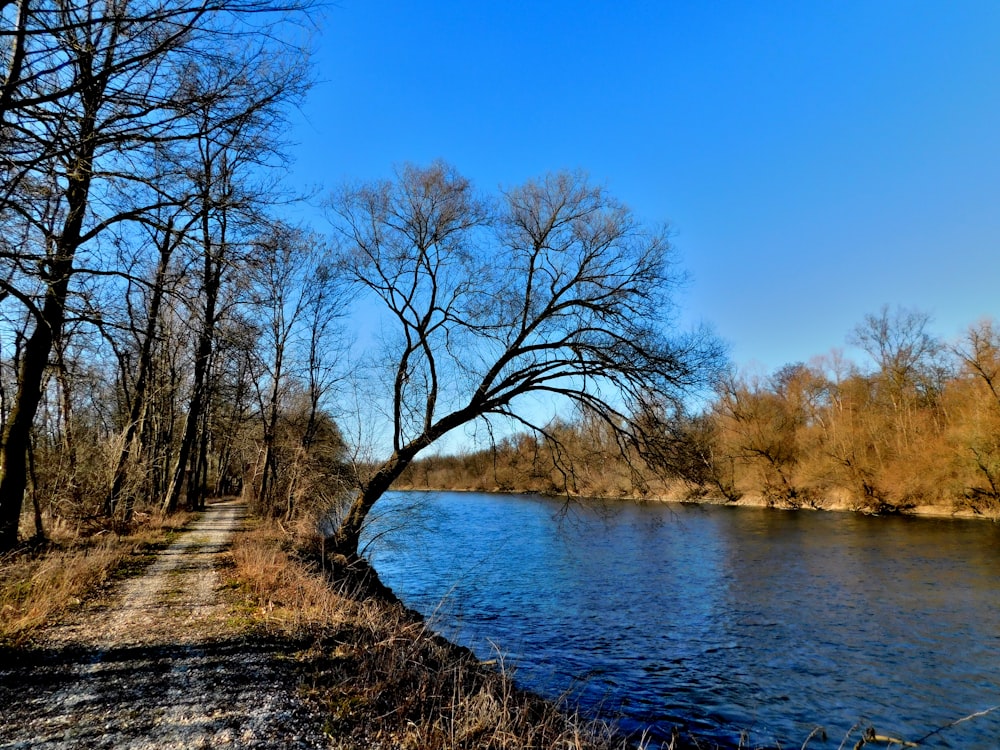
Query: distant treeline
<point x="920" y="426"/>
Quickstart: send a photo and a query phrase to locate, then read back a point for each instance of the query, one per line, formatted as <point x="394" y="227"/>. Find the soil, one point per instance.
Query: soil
<point x="158" y="663"/>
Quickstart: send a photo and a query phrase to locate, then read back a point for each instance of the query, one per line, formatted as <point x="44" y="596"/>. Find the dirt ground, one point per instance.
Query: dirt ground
<point x="156" y="664"/>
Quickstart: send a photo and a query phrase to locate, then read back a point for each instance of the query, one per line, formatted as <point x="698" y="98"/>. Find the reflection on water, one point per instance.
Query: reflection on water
<point x="718" y="619"/>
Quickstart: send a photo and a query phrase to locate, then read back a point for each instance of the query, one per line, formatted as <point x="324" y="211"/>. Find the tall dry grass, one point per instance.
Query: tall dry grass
<point x="381" y="677"/>
<point x="38" y="584"/>
<point x="284" y="594"/>
<point x="35" y="589"/>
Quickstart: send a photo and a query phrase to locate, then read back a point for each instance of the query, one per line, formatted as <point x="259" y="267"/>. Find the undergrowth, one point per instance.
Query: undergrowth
<point x="40" y="581"/>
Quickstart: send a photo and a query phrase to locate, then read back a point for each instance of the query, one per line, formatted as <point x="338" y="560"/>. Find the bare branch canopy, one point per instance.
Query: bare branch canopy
<point x="553" y="288"/>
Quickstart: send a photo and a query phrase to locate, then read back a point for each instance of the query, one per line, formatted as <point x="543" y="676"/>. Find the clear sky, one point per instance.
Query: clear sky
<point x="815" y="160"/>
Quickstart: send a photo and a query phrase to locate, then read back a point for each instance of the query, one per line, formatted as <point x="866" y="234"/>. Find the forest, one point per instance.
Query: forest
<point x="913" y="426"/>
<point x="159" y="342"/>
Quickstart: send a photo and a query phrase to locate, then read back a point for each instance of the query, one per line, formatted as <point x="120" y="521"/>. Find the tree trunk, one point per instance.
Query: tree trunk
<point x="211" y="280"/>
<point x="35" y="358"/>
<point x="270" y="470"/>
<point x="180" y="471"/>
<point x="69" y="439"/>
<point x="133" y="431"/>
<point x="347" y="538"/>
<point x="35" y="502"/>
<point x="201" y="466"/>
<point x="34" y="361"/>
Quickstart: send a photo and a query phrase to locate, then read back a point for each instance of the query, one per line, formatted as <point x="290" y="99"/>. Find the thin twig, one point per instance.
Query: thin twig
<point x="957" y="722"/>
<point x="813" y="733"/>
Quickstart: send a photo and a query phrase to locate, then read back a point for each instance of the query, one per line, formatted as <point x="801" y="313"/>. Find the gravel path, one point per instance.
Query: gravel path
<point x="155" y="666"/>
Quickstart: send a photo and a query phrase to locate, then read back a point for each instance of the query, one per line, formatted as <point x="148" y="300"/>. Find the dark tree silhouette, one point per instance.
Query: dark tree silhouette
<point x="556" y="289"/>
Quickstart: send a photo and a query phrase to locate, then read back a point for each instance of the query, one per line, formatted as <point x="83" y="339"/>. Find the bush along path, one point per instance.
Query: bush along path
<point x="158" y="663"/>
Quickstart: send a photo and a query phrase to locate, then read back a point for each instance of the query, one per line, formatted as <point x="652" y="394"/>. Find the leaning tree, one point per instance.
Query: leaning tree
<point x="552" y="289"/>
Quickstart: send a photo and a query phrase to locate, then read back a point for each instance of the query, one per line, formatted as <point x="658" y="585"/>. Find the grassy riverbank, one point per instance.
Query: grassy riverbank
<point x="381" y="677"/>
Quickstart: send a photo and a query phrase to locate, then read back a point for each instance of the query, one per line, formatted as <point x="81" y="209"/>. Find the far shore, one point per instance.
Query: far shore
<point x="834" y="505"/>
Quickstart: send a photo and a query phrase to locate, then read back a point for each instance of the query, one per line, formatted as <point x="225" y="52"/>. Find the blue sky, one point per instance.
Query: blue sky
<point x="815" y="160"/>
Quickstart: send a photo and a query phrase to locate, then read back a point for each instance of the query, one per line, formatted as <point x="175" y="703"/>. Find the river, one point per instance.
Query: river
<point x="721" y="620"/>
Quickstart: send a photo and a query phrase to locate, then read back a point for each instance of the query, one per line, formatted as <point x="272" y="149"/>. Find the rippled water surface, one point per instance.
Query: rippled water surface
<point x="718" y="619"/>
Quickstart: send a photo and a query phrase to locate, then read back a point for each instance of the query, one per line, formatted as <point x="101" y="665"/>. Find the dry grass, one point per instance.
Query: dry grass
<point x="283" y="594"/>
<point x="38" y="583"/>
<point x="380" y="677"/>
<point x="35" y="589"/>
<point x="384" y="680"/>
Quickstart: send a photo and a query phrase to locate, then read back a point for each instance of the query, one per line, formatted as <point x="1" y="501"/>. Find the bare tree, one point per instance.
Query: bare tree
<point x="557" y="290"/>
<point x="976" y="432"/>
<point x="907" y="355"/>
<point x="980" y="353"/>
<point x="292" y="298"/>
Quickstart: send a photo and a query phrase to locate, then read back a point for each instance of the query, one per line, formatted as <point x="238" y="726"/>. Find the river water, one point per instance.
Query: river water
<point x="721" y="620"/>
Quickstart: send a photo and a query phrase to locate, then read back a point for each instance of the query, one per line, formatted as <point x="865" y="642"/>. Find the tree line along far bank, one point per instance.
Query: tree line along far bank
<point x="919" y="426"/>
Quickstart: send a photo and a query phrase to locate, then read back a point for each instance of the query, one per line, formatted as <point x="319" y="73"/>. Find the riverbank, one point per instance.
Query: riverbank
<point x="225" y="633"/>
<point x="378" y="675"/>
<point x="831" y="503"/>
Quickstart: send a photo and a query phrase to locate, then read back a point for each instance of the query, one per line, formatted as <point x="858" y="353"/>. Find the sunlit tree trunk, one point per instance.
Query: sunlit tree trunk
<point x="49" y="322"/>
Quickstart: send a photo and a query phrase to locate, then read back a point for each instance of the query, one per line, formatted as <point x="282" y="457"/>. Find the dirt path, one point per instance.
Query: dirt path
<point x="155" y="666"/>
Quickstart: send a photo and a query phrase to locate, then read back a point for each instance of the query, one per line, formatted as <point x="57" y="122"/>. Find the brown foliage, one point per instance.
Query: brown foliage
<point x="918" y="429"/>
